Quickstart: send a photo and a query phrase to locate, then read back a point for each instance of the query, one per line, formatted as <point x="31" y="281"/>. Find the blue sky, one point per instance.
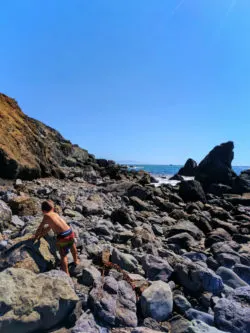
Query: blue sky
<point x="154" y="81"/>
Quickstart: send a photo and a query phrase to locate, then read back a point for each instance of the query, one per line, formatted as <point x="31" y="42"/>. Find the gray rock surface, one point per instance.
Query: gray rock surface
<point x="157" y="301"/>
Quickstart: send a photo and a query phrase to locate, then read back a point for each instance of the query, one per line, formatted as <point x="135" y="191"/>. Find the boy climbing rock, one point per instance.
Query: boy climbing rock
<point x="65" y="236"/>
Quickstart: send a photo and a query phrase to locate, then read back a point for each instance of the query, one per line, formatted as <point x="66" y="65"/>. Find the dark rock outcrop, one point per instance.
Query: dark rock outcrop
<point x="242" y="183"/>
<point x="192" y="191"/>
<point x="189" y="168"/>
<point x="216" y="167"/>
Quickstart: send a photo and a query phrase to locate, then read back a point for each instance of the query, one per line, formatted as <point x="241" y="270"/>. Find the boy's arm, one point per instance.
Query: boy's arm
<point x="41" y="231"/>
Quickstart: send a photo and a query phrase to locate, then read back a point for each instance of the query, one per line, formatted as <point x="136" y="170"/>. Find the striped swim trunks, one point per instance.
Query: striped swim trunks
<point x="65" y="240"/>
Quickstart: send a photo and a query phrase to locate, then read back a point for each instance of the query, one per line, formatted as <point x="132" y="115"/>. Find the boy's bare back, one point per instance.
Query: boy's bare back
<point x="57" y="224"/>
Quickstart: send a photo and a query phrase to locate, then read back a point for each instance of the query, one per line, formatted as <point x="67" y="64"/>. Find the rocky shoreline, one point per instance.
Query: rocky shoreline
<point x="152" y="259"/>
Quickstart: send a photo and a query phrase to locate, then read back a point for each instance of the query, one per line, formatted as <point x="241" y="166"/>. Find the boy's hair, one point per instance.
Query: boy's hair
<point x="47" y="206"/>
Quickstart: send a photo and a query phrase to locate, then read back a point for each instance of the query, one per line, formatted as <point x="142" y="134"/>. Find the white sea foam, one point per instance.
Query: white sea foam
<point x="165" y="180"/>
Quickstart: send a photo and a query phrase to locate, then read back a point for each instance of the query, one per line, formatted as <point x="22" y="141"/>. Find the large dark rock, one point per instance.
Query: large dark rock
<point x="216" y="167"/>
<point x="192" y="191"/>
<point x="189" y="168"/>
<point x="242" y="183"/>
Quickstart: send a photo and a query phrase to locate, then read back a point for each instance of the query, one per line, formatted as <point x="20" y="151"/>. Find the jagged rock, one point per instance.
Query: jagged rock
<point x="189" y="168"/>
<point x="5" y="216"/>
<point x="191" y="190"/>
<point x="157" y="301"/>
<point x="124" y="260"/>
<point x="31" y="302"/>
<point x="156" y="268"/>
<point x="219" y="189"/>
<point x="216" y="167"/>
<point x="114" y="303"/>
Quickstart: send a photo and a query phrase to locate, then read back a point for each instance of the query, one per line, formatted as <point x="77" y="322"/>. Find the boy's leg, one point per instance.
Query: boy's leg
<point x="64" y="261"/>
<point x="75" y="254"/>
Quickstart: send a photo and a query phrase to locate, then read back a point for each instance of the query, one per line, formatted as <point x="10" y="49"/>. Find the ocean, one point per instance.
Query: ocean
<point x="163" y="172"/>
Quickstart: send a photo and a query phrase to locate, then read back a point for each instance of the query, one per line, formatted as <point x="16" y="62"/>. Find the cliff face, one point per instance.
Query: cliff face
<point x="30" y="149"/>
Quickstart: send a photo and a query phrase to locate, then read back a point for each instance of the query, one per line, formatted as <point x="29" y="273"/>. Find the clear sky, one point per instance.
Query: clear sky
<point x="154" y="81"/>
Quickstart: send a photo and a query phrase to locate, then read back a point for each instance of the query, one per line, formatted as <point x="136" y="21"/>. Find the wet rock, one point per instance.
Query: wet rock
<point x="156" y="268"/>
<point x="31" y="302"/>
<point x="157" y="301"/>
<point x="230" y="278"/>
<point x="192" y="191"/>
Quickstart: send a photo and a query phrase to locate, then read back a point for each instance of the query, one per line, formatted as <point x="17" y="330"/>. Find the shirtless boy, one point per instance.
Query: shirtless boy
<point x="65" y="236"/>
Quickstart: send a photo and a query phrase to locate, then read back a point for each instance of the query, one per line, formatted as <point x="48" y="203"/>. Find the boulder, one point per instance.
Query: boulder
<point x="186" y="226"/>
<point x="216" y="167"/>
<point x="198" y="278"/>
<point x="177" y="177"/>
<point x="230" y="278"/>
<point x="89" y="276"/>
<point x="242" y="183"/>
<point x="114" y="302"/>
<point x="32" y="303"/>
<point x="24" y="253"/>
<point x="232" y="315"/>
<point x="156" y="268"/>
<point x="157" y="301"/>
<point x="24" y="205"/>
<point x="181" y="303"/>
<point x="189" y="168"/>
<point x="191" y="190"/>
<point x="86" y="323"/>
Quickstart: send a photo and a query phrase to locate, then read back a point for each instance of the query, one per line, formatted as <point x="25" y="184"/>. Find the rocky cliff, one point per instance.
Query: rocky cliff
<point x="30" y="149"/>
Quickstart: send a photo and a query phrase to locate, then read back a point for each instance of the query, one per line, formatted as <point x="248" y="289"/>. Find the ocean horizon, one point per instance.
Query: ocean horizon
<point x="172" y="169"/>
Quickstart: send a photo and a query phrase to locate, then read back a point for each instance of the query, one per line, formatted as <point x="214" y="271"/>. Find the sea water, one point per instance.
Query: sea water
<point x="163" y="172"/>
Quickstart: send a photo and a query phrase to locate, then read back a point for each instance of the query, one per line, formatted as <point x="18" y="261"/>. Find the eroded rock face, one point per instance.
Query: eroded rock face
<point x="31" y="302"/>
<point x="216" y="167"/>
<point x="30" y="149"/>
